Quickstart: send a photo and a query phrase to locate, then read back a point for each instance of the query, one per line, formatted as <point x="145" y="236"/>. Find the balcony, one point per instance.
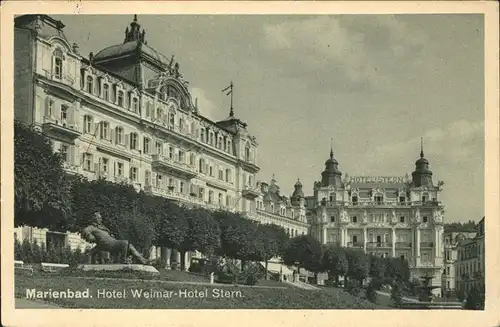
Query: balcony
<point x="171" y="194"/>
<point x="250" y="192"/>
<point x="426" y="244"/>
<point x="403" y="245"/>
<point x="354" y="244"/>
<point x="50" y="124"/>
<point x="176" y="167"/>
<point x="379" y="245"/>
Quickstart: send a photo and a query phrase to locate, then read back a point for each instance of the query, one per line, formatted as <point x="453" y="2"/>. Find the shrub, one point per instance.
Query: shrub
<point x="371" y="291"/>
<point x="159" y="263"/>
<point x="76" y="258"/>
<point x="52" y="254"/>
<point x="18" y="250"/>
<point x="397" y="294"/>
<point x="27" y="253"/>
<point x="352" y="287"/>
<point x="475" y="300"/>
<point x="461" y="295"/>
<point x="37" y="254"/>
<point x="196" y="267"/>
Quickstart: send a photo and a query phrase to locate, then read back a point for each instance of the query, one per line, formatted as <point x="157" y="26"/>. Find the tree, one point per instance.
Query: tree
<point x="203" y="233"/>
<point x="397" y="294"/>
<point x="397" y="269"/>
<point x="171" y="222"/>
<point x="272" y="239"/>
<point x="305" y="252"/>
<point x="335" y="261"/>
<point x="357" y="262"/>
<point x="377" y="267"/>
<point x="41" y="189"/>
<point x="140" y="230"/>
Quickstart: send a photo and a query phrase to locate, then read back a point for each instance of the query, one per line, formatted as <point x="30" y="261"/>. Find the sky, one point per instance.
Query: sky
<point x="375" y="84"/>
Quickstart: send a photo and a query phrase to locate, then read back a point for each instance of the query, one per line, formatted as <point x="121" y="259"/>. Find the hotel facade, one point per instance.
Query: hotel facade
<point x="387" y="216"/>
<point x="126" y="114"/>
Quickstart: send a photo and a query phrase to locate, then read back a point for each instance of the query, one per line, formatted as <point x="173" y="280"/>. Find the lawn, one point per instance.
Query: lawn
<point x="179" y="296"/>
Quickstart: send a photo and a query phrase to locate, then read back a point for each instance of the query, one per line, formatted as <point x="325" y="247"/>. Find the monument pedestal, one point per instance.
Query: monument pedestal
<point x="115" y="267"/>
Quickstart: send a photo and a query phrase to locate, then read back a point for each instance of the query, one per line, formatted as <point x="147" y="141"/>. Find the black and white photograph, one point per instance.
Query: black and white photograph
<point x="305" y="160"/>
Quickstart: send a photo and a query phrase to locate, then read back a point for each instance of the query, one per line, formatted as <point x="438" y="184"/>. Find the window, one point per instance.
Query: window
<point x="202" y="135"/>
<point x="58" y="63"/>
<point x="104" y="165"/>
<point x="181" y="187"/>
<point x="171" y="152"/>
<point x="87" y="123"/>
<point x="87" y="161"/>
<point x="220" y="199"/>
<point x="247" y="153"/>
<point x="158" y="180"/>
<point x="159" y="113"/>
<point x="64" y="113"/>
<point x="133" y="173"/>
<point x="332" y="219"/>
<point x="211" y="170"/>
<point x="105" y="130"/>
<point x="201" y="193"/>
<point x="120" y="98"/>
<point x="119" y="135"/>
<point x="355" y="200"/>
<point x="221" y="175"/>
<point x="354" y="219"/>
<point x="181" y="124"/>
<point x="146" y="145"/>
<point x="424" y="219"/>
<point x="135" y="105"/>
<point x="192" y="159"/>
<point x="424" y="198"/>
<point x="210" y="196"/>
<point x="228" y="175"/>
<point x="378" y="199"/>
<point x="119" y="169"/>
<point x="402" y="219"/>
<point x="202" y="165"/>
<point x="50" y="108"/>
<point x="228" y="201"/>
<point x="354" y="238"/>
<point x="229" y="148"/>
<point x="90" y="84"/>
<point x="158" y="148"/>
<point x="105" y="92"/>
<point x="402" y="257"/>
<point x="64" y="152"/>
<point x="448" y="271"/>
<point x="133" y="141"/>
<point x="171" y="118"/>
<point x="401" y="199"/>
<point x="181" y="156"/>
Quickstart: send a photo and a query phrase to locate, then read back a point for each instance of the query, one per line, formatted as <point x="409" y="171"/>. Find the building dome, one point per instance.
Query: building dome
<point x="422" y="176"/>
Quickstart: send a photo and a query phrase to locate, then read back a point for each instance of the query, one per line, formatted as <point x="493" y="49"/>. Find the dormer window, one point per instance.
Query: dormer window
<point x="354" y="219"/>
<point x="402" y="219"/>
<point x="58" y="63"/>
<point x="120" y="98"/>
<point x="247" y="153"/>
<point x="355" y="200"/>
<point x="90" y="84"/>
<point x="402" y="199"/>
<point x="378" y="199"/>
<point x="425" y="219"/>
<point x="135" y="105"/>
<point x="105" y="92"/>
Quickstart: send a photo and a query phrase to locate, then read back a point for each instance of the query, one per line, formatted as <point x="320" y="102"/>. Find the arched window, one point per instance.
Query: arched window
<point x="90" y="84"/>
<point x="58" y="63"/>
<point x="105" y="130"/>
<point x="378" y="198"/>
<point x="202" y="165"/>
<point x="64" y="113"/>
<point x="202" y="135"/>
<point x="425" y="197"/>
<point x="247" y="152"/>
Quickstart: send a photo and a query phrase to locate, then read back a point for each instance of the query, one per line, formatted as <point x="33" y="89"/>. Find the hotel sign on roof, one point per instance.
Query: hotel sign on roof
<point x="378" y="179"/>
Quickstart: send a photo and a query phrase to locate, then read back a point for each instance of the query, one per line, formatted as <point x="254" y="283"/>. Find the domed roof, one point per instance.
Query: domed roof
<point x="332" y="160"/>
<point x="298" y="183"/>
<point x="131" y="47"/>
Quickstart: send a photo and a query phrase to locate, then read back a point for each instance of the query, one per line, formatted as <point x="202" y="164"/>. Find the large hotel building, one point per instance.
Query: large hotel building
<point x="386" y="216"/>
<point x="126" y="114"/>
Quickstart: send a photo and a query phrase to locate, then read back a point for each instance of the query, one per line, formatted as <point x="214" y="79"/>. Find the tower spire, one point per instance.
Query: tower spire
<point x="331" y="148"/>
<point x="421" y="147"/>
<point x="230" y="92"/>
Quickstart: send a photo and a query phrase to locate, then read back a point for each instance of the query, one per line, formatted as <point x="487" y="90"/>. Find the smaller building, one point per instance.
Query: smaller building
<point x="452" y="238"/>
<point x="469" y="273"/>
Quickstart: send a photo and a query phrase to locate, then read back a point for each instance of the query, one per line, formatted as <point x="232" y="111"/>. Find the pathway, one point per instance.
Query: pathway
<point x="304" y="286"/>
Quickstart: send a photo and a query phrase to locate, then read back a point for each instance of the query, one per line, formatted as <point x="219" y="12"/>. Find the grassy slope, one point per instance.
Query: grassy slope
<point x="253" y="298"/>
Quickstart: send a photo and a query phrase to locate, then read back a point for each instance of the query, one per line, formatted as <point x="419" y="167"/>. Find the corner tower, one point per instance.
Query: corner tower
<point x="422" y="176"/>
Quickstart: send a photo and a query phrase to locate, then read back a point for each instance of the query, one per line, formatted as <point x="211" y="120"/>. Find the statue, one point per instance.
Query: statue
<point x="344" y="217"/>
<point x="438" y="216"/>
<point x="105" y="242"/>
<point x="176" y="70"/>
<point x="394" y="220"/>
